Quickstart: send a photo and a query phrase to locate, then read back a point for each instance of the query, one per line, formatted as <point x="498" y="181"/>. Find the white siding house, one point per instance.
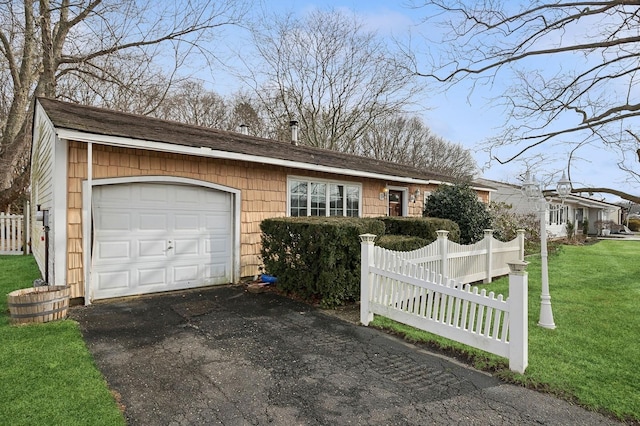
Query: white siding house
<point x="575" y="208"/>
<point x="48" y="166"/>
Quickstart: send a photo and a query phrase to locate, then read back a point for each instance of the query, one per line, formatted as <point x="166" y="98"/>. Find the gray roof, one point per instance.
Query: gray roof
<point x="576" y="198"/>
<point x="114" y="123"/>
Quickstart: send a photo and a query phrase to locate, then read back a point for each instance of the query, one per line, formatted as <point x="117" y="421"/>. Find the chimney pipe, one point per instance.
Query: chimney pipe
<point x="294" y="132"/>
<point x="244" y="129"/>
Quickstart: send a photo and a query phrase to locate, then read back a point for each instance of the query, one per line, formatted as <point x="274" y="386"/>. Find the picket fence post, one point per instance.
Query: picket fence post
<point x="520" y="233"/>
<point x="443" y="247"/>
<point x="488" y="245"/>
<point x="366" y="261"/>
<point x="518" y="317"/>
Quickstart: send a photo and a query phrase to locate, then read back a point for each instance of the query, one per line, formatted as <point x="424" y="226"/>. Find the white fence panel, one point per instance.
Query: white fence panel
<point x="410" y="293"/>
<point x="11" y="233"/>
<point x="481" y="261"/>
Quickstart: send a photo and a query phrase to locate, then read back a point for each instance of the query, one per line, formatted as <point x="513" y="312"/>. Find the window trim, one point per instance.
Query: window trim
<point x="328" y="182"/>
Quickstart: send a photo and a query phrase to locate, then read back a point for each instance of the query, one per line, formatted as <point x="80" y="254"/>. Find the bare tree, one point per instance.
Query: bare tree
<point x="189" y="102"/>
<point x="246" y="111"/>
<point x="125" y="84"/>
<point x="330" y="74"/>
<point x="84" y="46"/>
<point x="407" y="140"/>
<point x="574" y="67"/>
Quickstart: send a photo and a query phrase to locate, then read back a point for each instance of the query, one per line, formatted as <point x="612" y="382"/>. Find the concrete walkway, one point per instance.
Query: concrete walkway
<point x="225" y="356"/>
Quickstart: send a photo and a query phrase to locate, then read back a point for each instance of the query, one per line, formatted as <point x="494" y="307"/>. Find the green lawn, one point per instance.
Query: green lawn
<point x="592" y="356"/>
<point x="47" y="376"/>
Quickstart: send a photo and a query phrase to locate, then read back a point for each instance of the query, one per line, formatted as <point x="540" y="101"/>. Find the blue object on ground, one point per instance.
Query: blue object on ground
<point x="265" y="278"/>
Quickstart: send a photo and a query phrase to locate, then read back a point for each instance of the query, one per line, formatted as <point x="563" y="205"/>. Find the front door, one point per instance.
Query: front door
<point x="396" y="203"/>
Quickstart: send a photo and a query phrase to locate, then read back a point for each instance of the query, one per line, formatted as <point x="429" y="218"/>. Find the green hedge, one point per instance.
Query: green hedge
<point x="315" y="258"/>
<point x="634" y="225"/>
<point x="422" y="227"/>
<point x="402" y="242"/>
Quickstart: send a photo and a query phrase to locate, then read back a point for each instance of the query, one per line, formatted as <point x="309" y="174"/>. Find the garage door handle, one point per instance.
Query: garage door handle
<point x="169" y="246"/>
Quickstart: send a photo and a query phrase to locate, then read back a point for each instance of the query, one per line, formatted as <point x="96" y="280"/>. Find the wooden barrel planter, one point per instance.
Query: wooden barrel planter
<point x="38" y="304"/>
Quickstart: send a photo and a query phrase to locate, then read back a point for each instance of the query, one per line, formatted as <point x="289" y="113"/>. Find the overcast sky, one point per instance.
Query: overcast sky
<point x="455" y="115"/>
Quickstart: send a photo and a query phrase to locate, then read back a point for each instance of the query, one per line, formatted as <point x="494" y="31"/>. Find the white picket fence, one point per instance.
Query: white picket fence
<point x="481" y="261"/>
<point x="412" y="294"/>
<point x="11" y="233"/>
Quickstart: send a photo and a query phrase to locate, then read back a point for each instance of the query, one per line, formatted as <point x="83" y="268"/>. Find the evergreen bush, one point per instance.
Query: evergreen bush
<point x="317" y="258"/>
<point x="421" y="227"/>
<point x="460" y="204"/>
<point x="402" y="242"/>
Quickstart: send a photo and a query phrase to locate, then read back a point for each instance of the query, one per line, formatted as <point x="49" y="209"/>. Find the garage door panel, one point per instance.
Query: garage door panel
<point x="122" y="196"/>
<point x="216" y="246"/>
<point x="186" y="246"/>
<point x="216" y="220"/>
<point x="114" y="221"/>
<point x="152" y="276"/>
<point x="186" y="222"/>
<point x="215" y="200"/>
<point x="153" y="222"/>
<point x="188" y="196"/>
<point x="154" y="193"/>
<point x="215" y="274"/>
<point x="186" y="273"/>
<point x="152" y="249"/>
<point x="163" y="237"/>
<point x="113" y="280"/>
<point x="114" y="250"/>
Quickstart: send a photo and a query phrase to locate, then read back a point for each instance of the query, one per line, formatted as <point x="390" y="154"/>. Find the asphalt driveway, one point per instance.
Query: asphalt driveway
<point x="225" y="356"/>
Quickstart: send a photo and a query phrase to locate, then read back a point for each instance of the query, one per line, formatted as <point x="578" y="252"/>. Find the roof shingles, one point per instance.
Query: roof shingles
<point x="114" y="123"/>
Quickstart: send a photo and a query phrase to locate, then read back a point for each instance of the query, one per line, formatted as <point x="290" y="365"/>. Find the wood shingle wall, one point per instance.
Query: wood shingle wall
<point x="263" y="189"/>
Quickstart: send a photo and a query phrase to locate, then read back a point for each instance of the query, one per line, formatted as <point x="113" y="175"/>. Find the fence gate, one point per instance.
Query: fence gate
<point x="12" y="234"/>
<point x="393" y="287"/>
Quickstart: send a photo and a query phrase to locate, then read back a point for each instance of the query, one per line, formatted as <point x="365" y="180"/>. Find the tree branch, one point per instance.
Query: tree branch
<point x="624" y="195"/>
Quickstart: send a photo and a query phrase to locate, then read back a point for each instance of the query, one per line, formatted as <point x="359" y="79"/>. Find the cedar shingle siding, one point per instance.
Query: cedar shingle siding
<point x="263" y="186"/>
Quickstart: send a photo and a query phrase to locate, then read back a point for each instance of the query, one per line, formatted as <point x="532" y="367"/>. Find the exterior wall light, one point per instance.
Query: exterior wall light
<point x="415" y="196"/>
<point x="383" y="193"/>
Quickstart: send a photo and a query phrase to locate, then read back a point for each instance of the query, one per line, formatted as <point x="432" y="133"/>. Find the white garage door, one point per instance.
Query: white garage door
<point x="152" y="237"/>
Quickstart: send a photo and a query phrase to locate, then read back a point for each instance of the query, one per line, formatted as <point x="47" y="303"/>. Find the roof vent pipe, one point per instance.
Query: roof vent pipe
<point x="244" y="129"/>
<point x="294" y="132"/>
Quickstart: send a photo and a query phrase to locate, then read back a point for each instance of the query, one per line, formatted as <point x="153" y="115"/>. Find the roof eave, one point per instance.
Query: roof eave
<point x="123" y="142"/>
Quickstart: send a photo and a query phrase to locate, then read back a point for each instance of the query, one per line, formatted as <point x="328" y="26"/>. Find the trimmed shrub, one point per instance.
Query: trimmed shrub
<point x="421" y="227"/>
<point x="316" y="258"/>
<point x="402" y="242"/>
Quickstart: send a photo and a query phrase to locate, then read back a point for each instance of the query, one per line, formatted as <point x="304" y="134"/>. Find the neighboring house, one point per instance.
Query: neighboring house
<point x="574" y="208"/>
<point x="151" y="205"/>
<point x="628" y="210"/>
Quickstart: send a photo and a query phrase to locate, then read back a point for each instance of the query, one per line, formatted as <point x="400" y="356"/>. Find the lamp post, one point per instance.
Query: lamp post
<point x="532" y="190"/>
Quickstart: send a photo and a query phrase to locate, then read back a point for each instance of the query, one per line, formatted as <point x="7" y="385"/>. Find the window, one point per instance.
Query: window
<point x="318" y="199"/>
<point x="298" y="198"/>
<point x="558" y="215"/>
<point x="323" y="198"/>
<point x="353" y="201"/>
<point x="336" y="200"/>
